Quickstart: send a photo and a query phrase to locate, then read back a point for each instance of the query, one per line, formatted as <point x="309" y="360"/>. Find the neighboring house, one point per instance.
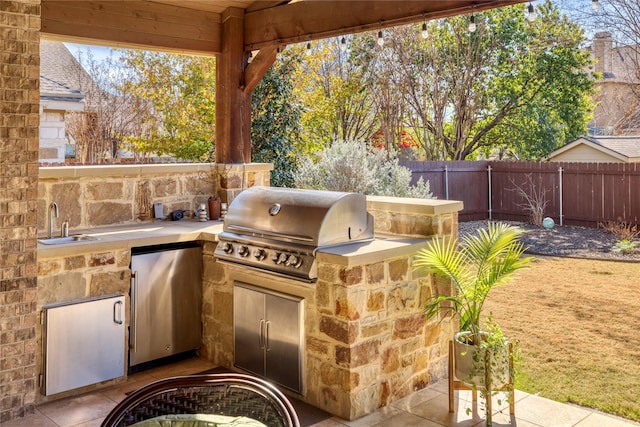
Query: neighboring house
<point x="624" y="149"/>
<point x="60" y="75"/>
<point x="618" y="99"/>
<point x="58" y="95"/>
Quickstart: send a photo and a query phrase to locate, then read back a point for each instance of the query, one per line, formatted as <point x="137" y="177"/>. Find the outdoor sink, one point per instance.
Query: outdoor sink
<point x="68" y="239"/>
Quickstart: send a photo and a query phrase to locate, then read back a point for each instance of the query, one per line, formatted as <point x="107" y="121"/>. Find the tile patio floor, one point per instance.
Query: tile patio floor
<point x="425" y="408"/>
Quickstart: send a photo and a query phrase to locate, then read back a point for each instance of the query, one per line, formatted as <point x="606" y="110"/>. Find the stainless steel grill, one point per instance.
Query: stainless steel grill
<point x="280" y="229"/>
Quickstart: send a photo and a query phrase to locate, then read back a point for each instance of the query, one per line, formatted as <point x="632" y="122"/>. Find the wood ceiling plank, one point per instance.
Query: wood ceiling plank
<point x="312" y="20"/>
<point x="134" y="24"/>
<point x="207" y="6"/>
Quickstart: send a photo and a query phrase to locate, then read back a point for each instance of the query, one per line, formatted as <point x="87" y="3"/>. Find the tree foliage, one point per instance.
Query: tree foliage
<point x="335" y="96"/>
<point x="275" y="125"/>
<point x="512" y="84"/>
<point x="179" y="103"/>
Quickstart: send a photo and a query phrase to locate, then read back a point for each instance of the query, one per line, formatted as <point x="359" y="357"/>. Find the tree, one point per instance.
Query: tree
<point x="275" y="120"/>
<point x="109" y="113"/>
<point x="336" y="96"/>
<point x="177" y="94"/>
<point x="512" y="84"/>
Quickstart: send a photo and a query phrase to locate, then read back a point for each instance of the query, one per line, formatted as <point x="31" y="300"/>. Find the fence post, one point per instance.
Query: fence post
<point x="446" y="182"/>
<point x="560" y="191"/>
<point x="489" y="180"/>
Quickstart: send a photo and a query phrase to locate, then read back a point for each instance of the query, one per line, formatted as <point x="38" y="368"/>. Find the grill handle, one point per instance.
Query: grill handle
<point x="282" y="236"/>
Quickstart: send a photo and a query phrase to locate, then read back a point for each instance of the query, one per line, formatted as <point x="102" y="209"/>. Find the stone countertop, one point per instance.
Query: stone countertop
<point x="381" y="248"/>
<point x="135" y="235"/>
<point x="162" y="232"/>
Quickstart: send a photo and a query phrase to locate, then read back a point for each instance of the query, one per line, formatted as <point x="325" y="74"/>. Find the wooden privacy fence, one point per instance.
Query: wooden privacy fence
<point x="582" y="194"/>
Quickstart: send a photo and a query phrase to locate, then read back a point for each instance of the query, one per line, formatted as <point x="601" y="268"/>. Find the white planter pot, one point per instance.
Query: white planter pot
<point x="469" y="362"/>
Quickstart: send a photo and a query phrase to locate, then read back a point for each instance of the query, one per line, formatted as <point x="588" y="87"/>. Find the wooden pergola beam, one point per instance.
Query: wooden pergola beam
<point x="312" y="20"/>
<point x="233" y="104"/>
<point x="133" y="24"/>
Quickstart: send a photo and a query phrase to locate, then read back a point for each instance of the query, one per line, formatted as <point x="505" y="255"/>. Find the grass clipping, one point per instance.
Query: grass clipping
<point x="577" y="323"/>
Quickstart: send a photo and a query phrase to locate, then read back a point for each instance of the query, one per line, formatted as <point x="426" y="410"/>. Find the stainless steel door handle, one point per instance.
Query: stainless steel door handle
<point x="267" y="336"/>
<point x="134" y="311"/>
<point x="261" y="335"/>
<point x="117" y="312"/>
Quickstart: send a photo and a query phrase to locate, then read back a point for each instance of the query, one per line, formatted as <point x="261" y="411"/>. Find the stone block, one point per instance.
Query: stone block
<point x="317" y="346"/>
<point x="104" y="191"/>
<point x="358" y="355"/>
<point x="75" y="262"/>
<point x="351" y="276"/>
<point x="102" y="259"/>
<point x="375" y="301"/>
<point x="340" y="330"/>
<point x="333" y="376"/>
<point x="61" y="287"/>
<point x="327" y="272"/>
<point x="412" y="225"/>
<point x="108" y="213"/>
<point x="402" y="299"/>
<point x="410" y="326"/>
<point x="390" y="360"/>
<point x="375" y="329"/>
<point x="164" y="187"/>
<point x="399" y="270"/>
<point x="375" y="273"/>
<point x="110" y="283"/>
<point x="67" y="196"/>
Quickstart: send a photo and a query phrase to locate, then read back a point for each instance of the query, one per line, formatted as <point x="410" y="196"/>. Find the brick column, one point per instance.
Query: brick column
<point x="19" y="121"/>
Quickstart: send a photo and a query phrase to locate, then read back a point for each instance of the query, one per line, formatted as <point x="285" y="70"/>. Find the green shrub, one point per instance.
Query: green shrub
<point x="355" y="167"/>
<point x="625" y="246"/>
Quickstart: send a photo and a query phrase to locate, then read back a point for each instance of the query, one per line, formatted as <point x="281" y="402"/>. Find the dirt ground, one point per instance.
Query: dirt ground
<point x="578" y="324"/>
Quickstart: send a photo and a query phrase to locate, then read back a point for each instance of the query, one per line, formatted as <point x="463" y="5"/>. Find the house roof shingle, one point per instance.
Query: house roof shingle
<point x="60" y="73"/>
<point x="628" y="146"/>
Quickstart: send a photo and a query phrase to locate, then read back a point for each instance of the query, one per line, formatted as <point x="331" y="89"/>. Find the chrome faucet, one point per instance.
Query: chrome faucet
<point x="53" y="207"/>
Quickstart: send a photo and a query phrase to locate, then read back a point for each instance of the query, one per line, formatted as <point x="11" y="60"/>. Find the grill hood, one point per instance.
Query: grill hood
<point x="305" y="217"/>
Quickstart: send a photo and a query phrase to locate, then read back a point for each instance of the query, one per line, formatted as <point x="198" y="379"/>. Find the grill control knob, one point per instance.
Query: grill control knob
<point x="243" y="251"/>
<point x="280" y="258"/>
<point x="294" y="261"/>
<point x="227" y="248"/>
<point x="259" y="254"/>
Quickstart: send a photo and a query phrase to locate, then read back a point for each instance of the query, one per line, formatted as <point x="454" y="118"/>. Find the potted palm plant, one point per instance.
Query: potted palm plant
<point x="474" y="267"/>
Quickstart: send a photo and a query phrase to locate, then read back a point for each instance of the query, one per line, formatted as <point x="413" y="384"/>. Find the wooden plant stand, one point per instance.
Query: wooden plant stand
<point x="458" y="385"/>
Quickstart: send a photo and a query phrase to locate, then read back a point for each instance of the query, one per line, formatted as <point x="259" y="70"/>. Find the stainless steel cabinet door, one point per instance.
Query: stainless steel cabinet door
<point x="249" y="323"/>
<point x="166" y="300"/>
<point x="268" y="334"/>
<point x="84" y="343"/>
<point x="283" y="341"/>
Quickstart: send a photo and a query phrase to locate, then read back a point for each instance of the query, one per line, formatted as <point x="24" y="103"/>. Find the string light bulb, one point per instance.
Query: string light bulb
<point x="343" y="44"/>
<point x="250" y="58"/>
<point x="308" y="48"/>
<point x="595" y="5"/>
<point x="380" y="39"/>
<point x="472" y="23"/>
<point x="424" y="32"/>
<point x="531" y="13"/>
<point x="278" y="53"/>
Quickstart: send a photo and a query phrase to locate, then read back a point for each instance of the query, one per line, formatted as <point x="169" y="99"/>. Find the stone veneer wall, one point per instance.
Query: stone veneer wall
<point x="367" y="341"/>
<point x="97" y="196"/>
<point x="19" y="120"/>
